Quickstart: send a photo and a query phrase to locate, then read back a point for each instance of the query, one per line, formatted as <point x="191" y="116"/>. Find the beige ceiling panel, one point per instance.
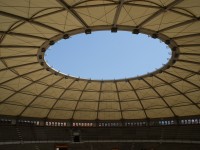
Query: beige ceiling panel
<point x="20" y="61"/>
<point x="59" y="114"/>
<point x="183" y="86"/>
<point x="84" y="115"/>
<point x="6" y="109"/>
<point x="21" y="8"/>
<point x="191" y="6"/>
<point x="186" y="110"/>
<point x="71" y="95"/>
<point x="166" y="90"/>
<point x="95" y="16"/>
<point x="20" y="99"/>
<point x="28" y="70"/>
<point x="19" y="40"/>
<point x="79" y="85"/>
<point x="167" y="78"/>
<point x="194" y="58"/>
<point x="63" y="21"/>
<point x="32" y="29"/>
<point x="131" y="105"/>
<point x="74" y="2"/>
<point x="6" y="23"/>
<point x="187" y="65"/>
<point x="90" y="96"/>
<point x="17" y="84"/>
<point x="109" y="96"/>
<point x="109" y="116"/>
<point x="129" y="95"/>
<point x="194" y="49"/>
<point x="47" y="11"/>
<point x="188" y="40"/>
<point x="5" y="94"/>
<point x="177" y="100"/>
<point x="194" y="96"/>
<point x="35" y="112"/>
<point x="38" y="75"/>
<point x="123" y="86"/>
<point x="53" y="92"/>
<point x="133" y="16"/>
<point x="154" y="81"/>
<point x="139" y="84"/>
<point x="134" y="115"/>
<point x="51" y="80"/>
<point x="108" y="86"/>
<point x="90" y="3"/>
<point x="109" y="106"/>
<point x="93" y="86"/>
<point x="2" y="65"/>
<point x="147" y="94"/>
<point x="154" y="2"/>
<point x="154" y="103"/>
<point x="195" y="79"/>
<point x="6" y="76"/>
<point x="181" y="74"/>
<point x="64" y="104"/>
<point x="35" y="88"/>
<point x="17" y="51"/>
<point x="65" y="83"/>
<point x="159" y="113"/>
<point x="164" y="20"/>
<point x="192" y="28"/>
<point x="43" y="102"/>
<point x="90" y="106"/>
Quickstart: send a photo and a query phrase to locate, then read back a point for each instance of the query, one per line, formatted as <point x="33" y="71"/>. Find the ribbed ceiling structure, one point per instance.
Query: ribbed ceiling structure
<point x="28" y="88"/>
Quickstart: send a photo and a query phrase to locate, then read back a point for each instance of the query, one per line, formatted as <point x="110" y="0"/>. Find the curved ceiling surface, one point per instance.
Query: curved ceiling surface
<point x="28" y="88"/>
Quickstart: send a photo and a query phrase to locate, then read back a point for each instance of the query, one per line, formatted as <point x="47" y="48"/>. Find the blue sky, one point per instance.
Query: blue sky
<point x="106" y="55"/>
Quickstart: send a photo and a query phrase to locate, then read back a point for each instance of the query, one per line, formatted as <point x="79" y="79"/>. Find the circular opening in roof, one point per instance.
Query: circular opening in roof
<point x="105" y="55"/>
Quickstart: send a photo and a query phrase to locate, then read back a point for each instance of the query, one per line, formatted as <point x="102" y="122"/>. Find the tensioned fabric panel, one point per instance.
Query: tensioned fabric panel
<point x="27" y="89"/>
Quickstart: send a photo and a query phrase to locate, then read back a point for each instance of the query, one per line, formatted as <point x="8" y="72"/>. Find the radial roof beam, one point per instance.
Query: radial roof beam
<point x="99" y="99"/>
<point x="23" y="35"/>
<point x="119" y="99"/>
<point x="188" y="61"/>
<point x="32" y="101"/>
<point x="21" y="76"/>
<point x="174" y="3"/>
<point x="180" y="24"/>
<point x="29" y="20"/>
<point x="119" y="7"/>
<point x="186" y="70"/>
<point x="138" y="99"/>
<point x="73" y="12"/>
<point x="79" y="99"/>
<point x="186" y="36"/>
<point x="161" y="97"/>
<point x="32" y="63"/>
<point x="171" y="85"/>
<point x="18" y="46"/>
<point x="189" y="45"/>
<point x="18" y="56"/>
<point x="59" y="98"/>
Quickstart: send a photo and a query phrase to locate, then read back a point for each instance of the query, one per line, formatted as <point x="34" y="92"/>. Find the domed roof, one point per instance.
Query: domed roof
<point x="30" y="88"/>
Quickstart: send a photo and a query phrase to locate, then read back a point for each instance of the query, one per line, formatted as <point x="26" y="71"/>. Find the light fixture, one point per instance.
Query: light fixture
<point x="114" y="29"/>
<point x="51" y="43"/>
<point x="167" y="42"/>
<point x="136" y="31"/>
<point x="88" y="31"/>
<point x="65" y="36"/>
<point x="154" y="36"/>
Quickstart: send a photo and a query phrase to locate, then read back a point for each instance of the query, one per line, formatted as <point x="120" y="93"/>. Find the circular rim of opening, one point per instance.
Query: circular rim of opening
<point x="155" y="35"/>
